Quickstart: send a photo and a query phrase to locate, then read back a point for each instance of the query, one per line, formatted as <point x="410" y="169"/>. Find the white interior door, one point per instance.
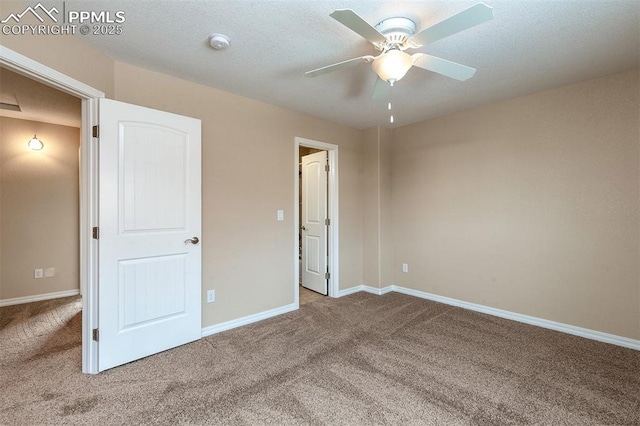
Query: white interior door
<point x="149" y="279"/>
<point x="313" y="227"/>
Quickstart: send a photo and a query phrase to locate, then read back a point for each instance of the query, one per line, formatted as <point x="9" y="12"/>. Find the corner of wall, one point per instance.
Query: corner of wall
<point x="376" y="239"/>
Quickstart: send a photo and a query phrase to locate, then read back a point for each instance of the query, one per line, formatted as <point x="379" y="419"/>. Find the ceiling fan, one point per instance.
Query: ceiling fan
<point x="391" y="37"/>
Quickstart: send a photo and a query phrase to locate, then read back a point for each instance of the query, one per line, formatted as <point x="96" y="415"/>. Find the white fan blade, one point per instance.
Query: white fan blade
<point x="381" y="89"/>
<point x="442" y="66"/>
<point x="468" y="18"/>
<point x="354" y="22"/>
<point x="347" y="63"/>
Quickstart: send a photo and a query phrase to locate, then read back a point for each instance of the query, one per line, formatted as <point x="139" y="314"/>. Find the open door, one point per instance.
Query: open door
<point x="313" y="222"/>
<point x="149" y="280"/>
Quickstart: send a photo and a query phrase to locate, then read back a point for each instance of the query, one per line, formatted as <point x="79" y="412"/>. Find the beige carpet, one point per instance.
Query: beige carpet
<point x="308" y="296"/>
<point x="358" y="360"/>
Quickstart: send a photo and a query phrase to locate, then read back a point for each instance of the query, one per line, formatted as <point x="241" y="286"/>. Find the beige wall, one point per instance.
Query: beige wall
<point x="248" y="170"/>
<point x="386" y="203"/>
<point x="371" y="208"/>
<point x="248" y="174"/>
<point x="39" y="208"/>
<point x="376" y="206"/>
<point x="529" y="205"/>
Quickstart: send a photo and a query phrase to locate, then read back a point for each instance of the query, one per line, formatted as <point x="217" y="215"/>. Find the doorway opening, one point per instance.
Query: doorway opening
<point x="89" y="96"/>
<point x="316" y="219"/>
<point x="39" y="219"/>
<point x="314" y="222"/>
<point x="39" y="191"/>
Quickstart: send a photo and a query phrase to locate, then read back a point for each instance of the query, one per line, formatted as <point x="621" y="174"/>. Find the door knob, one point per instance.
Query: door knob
<point x="193" y="240"/>
<point x="304" y="229"/>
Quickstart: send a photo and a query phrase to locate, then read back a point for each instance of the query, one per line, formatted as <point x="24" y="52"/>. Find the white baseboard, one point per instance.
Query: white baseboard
<point x="228" y="325"/>
<point x="350" y="290"/>
<point x="38" y="297"/>
<point x="376" y="290"/>
<point x="540" y="322"/>
<point x="365" y="288"/>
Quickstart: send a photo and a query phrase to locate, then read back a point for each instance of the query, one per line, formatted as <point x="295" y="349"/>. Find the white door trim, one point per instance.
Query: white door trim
<point x="88" y="188"/>
<point x="332" y="208"/>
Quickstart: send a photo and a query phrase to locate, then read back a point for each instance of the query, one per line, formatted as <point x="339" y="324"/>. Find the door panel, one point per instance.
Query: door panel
<point x="149" y="205"/>
<point x="152" y="191"/>
<point x="313" y="228"/>
<point x="151" y="289"/>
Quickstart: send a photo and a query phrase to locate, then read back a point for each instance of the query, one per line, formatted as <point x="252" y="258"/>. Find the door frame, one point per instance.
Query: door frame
<point x="333" y="286"/>
<point x="88" y="188"/>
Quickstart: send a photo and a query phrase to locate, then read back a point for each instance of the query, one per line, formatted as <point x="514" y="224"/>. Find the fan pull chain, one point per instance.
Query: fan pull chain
<point x="390" y="101"/>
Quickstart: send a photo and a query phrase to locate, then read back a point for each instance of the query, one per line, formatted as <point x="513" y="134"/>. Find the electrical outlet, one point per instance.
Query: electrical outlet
<point x="405" y="267"/>
<point x="37" y="273"/>
<point x="211" y="296"/>
<point x="49" y="272"/>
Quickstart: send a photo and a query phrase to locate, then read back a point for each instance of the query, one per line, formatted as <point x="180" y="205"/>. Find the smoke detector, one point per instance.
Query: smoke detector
<point x="219" y="41"/>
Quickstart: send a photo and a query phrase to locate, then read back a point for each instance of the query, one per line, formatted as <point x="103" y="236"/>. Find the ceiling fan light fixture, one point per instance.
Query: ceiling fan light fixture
<point x="393" y="65"/>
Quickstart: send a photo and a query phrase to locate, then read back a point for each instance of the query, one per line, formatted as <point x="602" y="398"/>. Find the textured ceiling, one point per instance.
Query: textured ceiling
<point x="530" y="46"/>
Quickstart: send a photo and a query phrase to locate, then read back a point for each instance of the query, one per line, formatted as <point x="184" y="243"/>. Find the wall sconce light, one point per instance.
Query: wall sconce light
<point x="36" y="144"/>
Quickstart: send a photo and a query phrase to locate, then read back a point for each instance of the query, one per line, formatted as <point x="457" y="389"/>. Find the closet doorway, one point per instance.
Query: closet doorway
<point x="314" y="219"/>
<point x="316" y="211"/>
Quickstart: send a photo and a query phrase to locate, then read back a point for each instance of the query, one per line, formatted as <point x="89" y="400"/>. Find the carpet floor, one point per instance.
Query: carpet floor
<point x="308" y="296"/>
<point x="358" y="360"/>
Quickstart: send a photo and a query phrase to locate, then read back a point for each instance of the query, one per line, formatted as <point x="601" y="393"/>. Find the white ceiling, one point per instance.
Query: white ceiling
<point x="531" y="45"/>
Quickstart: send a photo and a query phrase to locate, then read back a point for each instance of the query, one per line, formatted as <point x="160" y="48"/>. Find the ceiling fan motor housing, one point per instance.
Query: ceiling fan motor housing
<point x="397" y="31"/>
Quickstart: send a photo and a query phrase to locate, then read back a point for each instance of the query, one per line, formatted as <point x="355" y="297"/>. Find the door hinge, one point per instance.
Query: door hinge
<point x="327" y="222"/>
<point x="326" y="167"/>
<point x="327" y="275"/>
<point x="95" y="334"/>
<point x="96" y="233"/>
<point x="96" y="131"/>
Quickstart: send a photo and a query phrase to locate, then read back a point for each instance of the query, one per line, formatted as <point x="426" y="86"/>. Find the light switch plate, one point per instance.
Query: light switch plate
<point x="49" y="272"/>
<point x="211" y="296"/>
<point x="280" y="214"/>
<point x="37" y="273"/>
